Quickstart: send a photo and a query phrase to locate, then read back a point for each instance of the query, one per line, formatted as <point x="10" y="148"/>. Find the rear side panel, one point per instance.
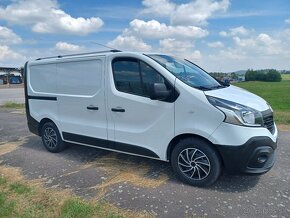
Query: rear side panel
<point x="41" y="91"/>
<point x="65" y="91"/>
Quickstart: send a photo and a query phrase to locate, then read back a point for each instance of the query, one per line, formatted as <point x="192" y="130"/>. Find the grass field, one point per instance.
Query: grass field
<point x="277" y="94"/>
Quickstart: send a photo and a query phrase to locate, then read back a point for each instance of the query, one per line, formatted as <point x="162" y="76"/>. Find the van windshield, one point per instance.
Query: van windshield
<point x="187" y="72"/>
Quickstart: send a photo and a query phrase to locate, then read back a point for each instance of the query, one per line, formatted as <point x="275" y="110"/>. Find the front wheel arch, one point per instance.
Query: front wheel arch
<point x="178" y="138"/>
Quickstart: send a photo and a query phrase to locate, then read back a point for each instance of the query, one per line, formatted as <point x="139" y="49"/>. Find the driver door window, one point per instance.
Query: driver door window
<point x="135" y="77"/>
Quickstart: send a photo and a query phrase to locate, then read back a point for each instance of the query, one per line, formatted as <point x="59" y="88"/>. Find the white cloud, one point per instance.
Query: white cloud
<point x="241" y="31"/>
<point x="161" y="8"/>
<point x="244" y="42"/>
<point x="287" y="21"/>
<point x="266" y="39"/>
<point x="182" y="49"/>
<point x="173" y="45"/>
<point x="197" y="12"/>
<point x="45" y="16"/>
<point x="129" y="43"/>
<point x="216" y="44"/>
<point x="223" y="33"/>
<point x="255" y="51"/>
<point x="195" y="56"/>
<point x="7" y="36"/>
<point x="154" y="29"/>
<point x="64" y="46"/>
<point x="180" y="36"/>
<point x="262" y="44"/>
<point x="192" y="13"/>
<point x="7" y="55"/>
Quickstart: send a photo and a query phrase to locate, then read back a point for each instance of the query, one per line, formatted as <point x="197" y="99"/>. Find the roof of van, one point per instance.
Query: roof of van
<point x="80" y="54"/>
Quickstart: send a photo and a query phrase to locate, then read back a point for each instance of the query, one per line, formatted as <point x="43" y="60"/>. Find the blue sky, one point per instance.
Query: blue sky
<point x="219" y="35"/>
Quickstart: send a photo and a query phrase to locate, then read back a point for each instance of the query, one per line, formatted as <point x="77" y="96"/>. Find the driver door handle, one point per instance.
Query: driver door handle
<point x="92" y="107"/>
<point x="117" y="109"/>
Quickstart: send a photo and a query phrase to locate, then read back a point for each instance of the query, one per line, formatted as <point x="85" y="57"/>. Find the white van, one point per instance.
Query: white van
<point x="150" y="105"/>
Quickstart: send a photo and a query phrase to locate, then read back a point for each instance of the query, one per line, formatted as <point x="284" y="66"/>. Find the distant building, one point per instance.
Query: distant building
<point x="10" y="75"/>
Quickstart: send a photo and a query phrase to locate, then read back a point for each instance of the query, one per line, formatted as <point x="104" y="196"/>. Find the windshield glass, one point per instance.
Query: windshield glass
<point x="187" y="72"/>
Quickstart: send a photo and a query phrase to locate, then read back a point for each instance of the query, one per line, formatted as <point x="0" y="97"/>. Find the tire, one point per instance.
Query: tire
<point x="195" y="162"/>
<point x="51" y="138"/>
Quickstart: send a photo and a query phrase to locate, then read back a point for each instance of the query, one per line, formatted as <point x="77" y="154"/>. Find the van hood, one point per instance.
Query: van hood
<point x="240" y="96"/>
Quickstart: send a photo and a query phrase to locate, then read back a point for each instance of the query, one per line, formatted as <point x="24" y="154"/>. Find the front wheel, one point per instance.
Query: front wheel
<point x="51" y="138"/>
<point x="195" y="162"/>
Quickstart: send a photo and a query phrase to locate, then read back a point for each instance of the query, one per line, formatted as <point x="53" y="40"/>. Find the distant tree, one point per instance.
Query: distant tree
<point x="263" y="75"/>
<point x="273" y="76"/>
<point x="250" y="75"/>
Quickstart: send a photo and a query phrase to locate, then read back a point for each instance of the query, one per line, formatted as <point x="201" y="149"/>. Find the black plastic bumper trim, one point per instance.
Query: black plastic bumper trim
<point x="240" y="159"/>
<point x="103" y="143"/>
<point x="48" y="98"/>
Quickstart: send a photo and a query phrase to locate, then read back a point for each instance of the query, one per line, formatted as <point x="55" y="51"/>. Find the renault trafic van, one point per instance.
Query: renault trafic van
<point x="150" y="105"/>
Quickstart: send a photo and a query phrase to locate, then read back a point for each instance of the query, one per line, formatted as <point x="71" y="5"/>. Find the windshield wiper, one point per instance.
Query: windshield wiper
<point x="203" y="88"/>
<point x="218" y="87"/>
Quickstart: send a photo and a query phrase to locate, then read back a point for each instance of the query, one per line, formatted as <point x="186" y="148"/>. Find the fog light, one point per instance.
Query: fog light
<point x="262" y="158"/>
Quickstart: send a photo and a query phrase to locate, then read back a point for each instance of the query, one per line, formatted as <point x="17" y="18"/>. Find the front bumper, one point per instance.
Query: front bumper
<point x="256" y="156"/>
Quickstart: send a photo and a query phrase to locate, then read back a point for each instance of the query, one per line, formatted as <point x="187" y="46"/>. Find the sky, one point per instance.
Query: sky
<point x="218" y="35"/>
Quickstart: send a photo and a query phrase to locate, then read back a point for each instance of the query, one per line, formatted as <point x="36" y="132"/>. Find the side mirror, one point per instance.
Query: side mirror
<point x="227" y="82"/>
<point x="158" y="91"/>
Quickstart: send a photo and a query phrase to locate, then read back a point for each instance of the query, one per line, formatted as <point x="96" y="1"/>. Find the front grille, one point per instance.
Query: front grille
<point x="269" y="122"/>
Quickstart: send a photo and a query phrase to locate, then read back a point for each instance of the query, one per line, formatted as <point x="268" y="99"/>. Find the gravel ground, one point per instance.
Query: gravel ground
<point x="143" y="184"/>
<point x="11" y="94"/>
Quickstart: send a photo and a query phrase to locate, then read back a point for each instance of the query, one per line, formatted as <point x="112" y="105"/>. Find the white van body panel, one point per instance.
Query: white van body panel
<point x="241" y="96"/>
<point x="234" y="135"/>
<point x="76" y="83"/>
<point x="84" y="89"/>
<point x="194" y="114"/>
<point x="41" y="80"/>
<point x="144" y="118"/>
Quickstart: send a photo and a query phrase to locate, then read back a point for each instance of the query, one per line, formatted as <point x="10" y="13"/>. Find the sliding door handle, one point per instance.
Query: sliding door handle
<point x="118" y="110"/>
<point x="91" y="107"/>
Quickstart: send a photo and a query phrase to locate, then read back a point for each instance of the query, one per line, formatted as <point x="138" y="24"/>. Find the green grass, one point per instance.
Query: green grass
<point x="2" y="181"/>
<point x="19" y="188"/>
<point x="7" y="207"/>
<point x="76" y="208"/>
<point x="277" y="94"/>
<point x="13" y="105"/>
<point x="22" y="200"/>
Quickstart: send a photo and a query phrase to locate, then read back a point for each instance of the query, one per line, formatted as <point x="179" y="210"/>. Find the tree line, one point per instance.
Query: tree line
<point x="268" y="75"/>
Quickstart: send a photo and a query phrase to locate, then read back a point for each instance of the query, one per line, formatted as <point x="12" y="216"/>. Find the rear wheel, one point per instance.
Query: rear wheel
<point x="195" y="162"/>
<point x="51" y="138"/>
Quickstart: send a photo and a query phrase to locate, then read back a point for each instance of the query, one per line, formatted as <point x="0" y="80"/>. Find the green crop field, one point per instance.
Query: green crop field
<point x="276" y="93"/>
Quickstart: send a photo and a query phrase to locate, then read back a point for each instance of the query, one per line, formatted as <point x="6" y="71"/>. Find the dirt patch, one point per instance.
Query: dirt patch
<point x="125" y="171"/>
<point x="7" y="147"/>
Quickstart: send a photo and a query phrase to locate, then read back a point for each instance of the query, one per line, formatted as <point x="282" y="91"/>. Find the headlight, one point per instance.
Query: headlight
<point x="236" y="113"/>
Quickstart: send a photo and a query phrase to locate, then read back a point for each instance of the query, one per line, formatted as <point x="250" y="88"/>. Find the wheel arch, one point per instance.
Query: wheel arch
<point x="178" y="138"/>
<point x="42" y="122"/>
